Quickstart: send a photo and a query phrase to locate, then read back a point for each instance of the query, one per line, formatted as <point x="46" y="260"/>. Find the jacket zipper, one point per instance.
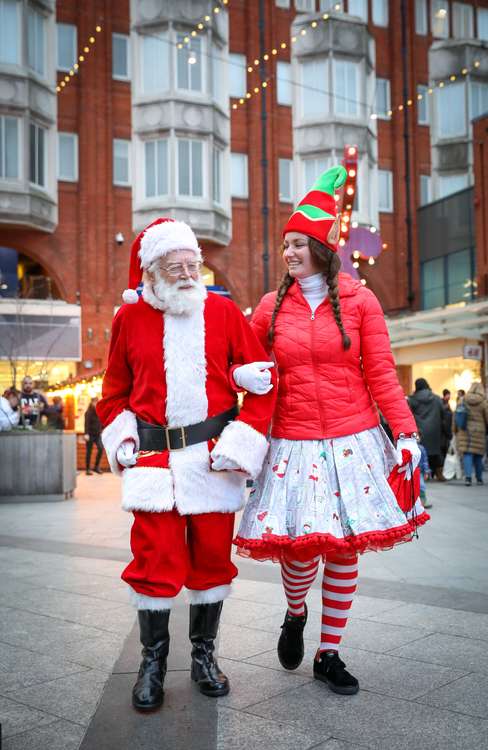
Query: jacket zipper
<point x="312" y="318"/>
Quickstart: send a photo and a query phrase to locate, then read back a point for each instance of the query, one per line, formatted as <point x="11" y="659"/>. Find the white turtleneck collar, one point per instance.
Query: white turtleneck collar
<point x="314" y="289"/>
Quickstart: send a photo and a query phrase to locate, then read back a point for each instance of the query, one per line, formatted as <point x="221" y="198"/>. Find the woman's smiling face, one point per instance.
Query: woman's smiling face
<point x="297" y="255"/>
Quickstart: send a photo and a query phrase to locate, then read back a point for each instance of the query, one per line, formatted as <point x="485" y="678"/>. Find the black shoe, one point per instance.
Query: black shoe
<point x="148" y="693"/>
<point x="204" y="625"/>
<point x="479" y="481"/>
<point x="89" y="473"/>
<point x="290" y="643"/>
<point x="467" y="482"/>
<point x="98" y="470"/>
<point x="331" y="670"/>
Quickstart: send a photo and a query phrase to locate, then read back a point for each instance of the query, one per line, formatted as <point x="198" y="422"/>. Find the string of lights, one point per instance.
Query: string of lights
<point x="81" y="59"/>
<point x="202" y="25"/>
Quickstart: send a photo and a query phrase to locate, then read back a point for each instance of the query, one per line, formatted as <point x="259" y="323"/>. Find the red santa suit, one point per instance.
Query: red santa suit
<point x="174" y="370"/>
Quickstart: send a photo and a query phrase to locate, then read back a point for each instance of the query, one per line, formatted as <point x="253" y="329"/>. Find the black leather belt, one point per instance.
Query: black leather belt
<point x="154" y="437"/>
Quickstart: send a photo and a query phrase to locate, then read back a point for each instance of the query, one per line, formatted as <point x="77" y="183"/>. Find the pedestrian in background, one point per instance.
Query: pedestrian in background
<point x="9" y="410"/>
<point x="472" y="440"/>
<point x="54" y="414"/>
<point x="93" y="432"/>
<point x="425" y="475"/>
<point x="428" y="411"/>
<point x="447" y="423"/>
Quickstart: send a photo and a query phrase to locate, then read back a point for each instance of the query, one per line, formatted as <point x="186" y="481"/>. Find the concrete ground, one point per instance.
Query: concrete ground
<point x="416" y="640"/>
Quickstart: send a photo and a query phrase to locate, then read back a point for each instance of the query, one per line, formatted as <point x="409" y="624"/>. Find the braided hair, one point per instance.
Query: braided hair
<point x="328" y="263"/>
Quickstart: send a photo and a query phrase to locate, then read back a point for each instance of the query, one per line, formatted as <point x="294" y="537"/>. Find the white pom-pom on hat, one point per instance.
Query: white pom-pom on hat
<point x="130" y="296"/>
<point x="161" y="239"/>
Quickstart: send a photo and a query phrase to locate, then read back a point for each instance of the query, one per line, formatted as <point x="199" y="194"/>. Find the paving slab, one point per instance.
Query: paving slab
<point x="468" y="694"/>
<point x="20" y="668"/>
<point x="16" y="717"/>
<point x="60" y="735"/>
<point x="440" y="620"/>
<point x="456" y="652"/>
<point x="40" y="632"/>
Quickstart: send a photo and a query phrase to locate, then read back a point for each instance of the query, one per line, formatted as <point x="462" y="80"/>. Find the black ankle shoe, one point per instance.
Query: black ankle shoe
<point x="331" y="670"/>
<point x="290" y="643"/>
<point x="204" y="624"/>
<point x="148" y="693"/>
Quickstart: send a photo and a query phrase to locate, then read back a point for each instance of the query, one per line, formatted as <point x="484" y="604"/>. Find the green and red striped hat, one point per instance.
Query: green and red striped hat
<point x="316" y="214"/>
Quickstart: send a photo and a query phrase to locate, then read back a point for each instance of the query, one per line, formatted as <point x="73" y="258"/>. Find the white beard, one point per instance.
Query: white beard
<point x="172" y="298"/>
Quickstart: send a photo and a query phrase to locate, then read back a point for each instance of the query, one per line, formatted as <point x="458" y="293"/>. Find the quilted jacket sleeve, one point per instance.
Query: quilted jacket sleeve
<point x="379" y="367"/>
<point x="261" y="320"/>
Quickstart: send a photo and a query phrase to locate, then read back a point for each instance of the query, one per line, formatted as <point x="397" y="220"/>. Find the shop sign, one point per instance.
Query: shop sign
<point x="473" y="351"/>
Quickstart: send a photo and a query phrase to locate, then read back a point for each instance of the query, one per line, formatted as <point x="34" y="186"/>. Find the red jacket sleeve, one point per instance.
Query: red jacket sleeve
<point x="379" y="367"/>
<point x="261" y="320"/>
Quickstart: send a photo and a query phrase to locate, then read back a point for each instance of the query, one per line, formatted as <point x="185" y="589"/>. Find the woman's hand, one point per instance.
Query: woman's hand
<point x="254" y="377"/>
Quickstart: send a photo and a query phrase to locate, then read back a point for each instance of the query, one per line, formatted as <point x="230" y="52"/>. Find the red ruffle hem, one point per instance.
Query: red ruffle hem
<point x="303" y="548"/>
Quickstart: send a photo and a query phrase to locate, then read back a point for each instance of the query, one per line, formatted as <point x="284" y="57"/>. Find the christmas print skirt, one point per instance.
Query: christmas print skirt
<point x="331" y="495"/>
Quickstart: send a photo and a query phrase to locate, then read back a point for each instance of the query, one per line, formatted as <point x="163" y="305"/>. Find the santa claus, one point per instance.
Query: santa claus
<point x="173" y="431"/>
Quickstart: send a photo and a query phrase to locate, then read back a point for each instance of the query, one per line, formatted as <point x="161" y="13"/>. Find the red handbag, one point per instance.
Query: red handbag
<point x="405" y="490"/>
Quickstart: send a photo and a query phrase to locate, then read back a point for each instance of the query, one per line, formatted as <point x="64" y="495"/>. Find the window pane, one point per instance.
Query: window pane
<point x="67" y="144"/>
<point x="385" y="191"/>
<point x="285" y="173"/>
<point x="9" y="31"/>
<point x="11" y="140"/>
<point x="216" y="174"/>
<point x="154" y="64"/>
<point x="423" y="106"/>
<point x="41" y="155"/>
<point x="184" y="167"/>
<point x="380" y="12"/>
<point x="121" y="161"/>
<point x="314" y="168"/>
<point x="483" y="23"/>
<point x="196" y="67"/>
<point x="338" y="7"/>
<point x="462" y="21"/>
<point x="346" y="88"/>
<point x="358" y="8"/>
<point x="421" y="16"/>
<point x="197" y="168"/>
<point x="189" y="74"/>
<point x="237" y="75"/>
<point x="459" y="281"/>
<point x="425" y="189"/>
<point x="120" y="56"/>
<point x="314" y="88"/>
<point x="451" y="110"/>
<point x="440" y="18"/>
<point x="32" y="153"/>
<point x="150" y="152"/>
<point x="162" y="167"/>
<point x="35" y="46"/>
<point x="452" y="183"/>
<point x="239" y="175"/>
<point x="66" y="36"/>
<point x="382" y="104"/>
<point x="307" y="6"/>
<point x="284" y="91"/>
<point x="478" y="98"/>
<point x="433" y="283"/>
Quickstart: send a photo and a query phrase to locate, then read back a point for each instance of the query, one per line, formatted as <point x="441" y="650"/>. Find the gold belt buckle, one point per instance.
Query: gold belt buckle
<point x="168" y="440"/>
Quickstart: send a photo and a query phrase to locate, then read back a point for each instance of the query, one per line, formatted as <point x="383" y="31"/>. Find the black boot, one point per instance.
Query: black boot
<point x="290" y="644"/>
<point x="204" y="624"/>
<point x="148" y="693"/>
<point x="331" y="670"/>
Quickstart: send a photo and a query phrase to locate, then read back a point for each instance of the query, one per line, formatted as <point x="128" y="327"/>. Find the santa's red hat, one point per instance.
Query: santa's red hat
<point x="155" y="241"/>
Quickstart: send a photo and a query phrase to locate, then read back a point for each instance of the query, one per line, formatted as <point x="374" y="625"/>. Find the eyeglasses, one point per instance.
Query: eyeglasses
<point x="177" y="269"/>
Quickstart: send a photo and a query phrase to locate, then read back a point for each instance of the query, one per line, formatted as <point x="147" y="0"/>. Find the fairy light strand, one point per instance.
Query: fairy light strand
<point x="80" y="60"/>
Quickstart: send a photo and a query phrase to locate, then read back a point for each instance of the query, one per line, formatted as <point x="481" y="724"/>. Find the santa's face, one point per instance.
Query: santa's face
<point x="177" y="283"/>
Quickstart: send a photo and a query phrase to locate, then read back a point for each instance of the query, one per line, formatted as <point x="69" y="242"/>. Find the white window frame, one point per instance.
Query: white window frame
<point x="42" y="186"/>
<point x="18" y="47"/>
<point x="422" y="104"/>
<point x="284" y="83"/>
<point x="74" y="138"/>
<point x="126" y="39"/>
<point x="282" y="3"/>
<point x="380" y="13"/>
<point x="482" y="88"/>
<point x="39" y="22"/>
<point x="321" y="163"/>
<point x="347" y="100"/>
<point x="331" y="5"/>
<point x="217" y="171"/>
<point x="128" y="144"/>
<point x="383" y="115"/>
<point x="190" y="195"/>
<point x="165" y="82"/>
<point x="421" y="18"/>
<point x="305" y="86"/>
<point x="363" y="15"/>
<point x="74" y="56"/>
<point x="435" y="7"/>
<point x="157" y="194"/>
<point x="285" y="197"/>
<point x="3" y="146"/>
<point x="425" y="180"/>
<point x="202" y="54"/>
<point x="237" y="65"/>
<point x="482" y="20"/>
<point x="387" y="207"/>
<point x="243" y="159"/>
<point x="305" y="6"/>
<point x="446" y="91"/>
<point x="441" y="178"/>
<point x="462" y="14"/>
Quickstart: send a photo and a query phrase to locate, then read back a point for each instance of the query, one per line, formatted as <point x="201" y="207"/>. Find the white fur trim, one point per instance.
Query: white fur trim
<point x="186" y="368"/>
<point x="243" y="444"/>
<point x="147" y="488"/>
<point x="141" y="601"/>
<point x="161" y="239"/>
<point x="209" y="596"/>
<point x="123" y="427"/>
<point x="151" y="299"/>
<point x="130" y="296"/>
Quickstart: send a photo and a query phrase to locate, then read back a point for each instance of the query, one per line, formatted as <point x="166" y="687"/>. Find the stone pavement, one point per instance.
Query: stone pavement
<point x="417" y="641"/>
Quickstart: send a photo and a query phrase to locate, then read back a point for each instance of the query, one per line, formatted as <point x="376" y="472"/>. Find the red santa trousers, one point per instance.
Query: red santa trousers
<point x="171" y="551"/>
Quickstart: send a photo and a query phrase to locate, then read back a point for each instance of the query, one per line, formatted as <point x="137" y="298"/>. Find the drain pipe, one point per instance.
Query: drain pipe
<point x="264" y="148"/>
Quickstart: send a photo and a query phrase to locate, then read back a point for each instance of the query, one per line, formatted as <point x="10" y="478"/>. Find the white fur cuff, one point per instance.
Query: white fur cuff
<point x="243" y="444"/>
<point x="141" y="601"/>
<point x="209" y="596"/>
<point x="123" y="427"/>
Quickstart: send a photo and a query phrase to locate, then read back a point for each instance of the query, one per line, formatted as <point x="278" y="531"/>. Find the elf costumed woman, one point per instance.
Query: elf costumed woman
<point x="172" y="430"/>
<point x="323" y="491"/>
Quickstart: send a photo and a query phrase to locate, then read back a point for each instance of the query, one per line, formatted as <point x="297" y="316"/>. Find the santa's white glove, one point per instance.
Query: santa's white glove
<point x="221" y="463"/>
<point x="254" y="377"/>
<point x="409" y="444"/>
<point x="126" y="454"/>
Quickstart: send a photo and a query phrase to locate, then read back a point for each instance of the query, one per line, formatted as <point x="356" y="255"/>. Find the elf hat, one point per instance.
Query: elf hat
<point x="316" y="214"/>
<point x="154" y="242"/>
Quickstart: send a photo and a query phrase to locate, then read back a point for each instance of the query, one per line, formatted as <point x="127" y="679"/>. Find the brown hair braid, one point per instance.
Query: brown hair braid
<point x="328" y="263"/>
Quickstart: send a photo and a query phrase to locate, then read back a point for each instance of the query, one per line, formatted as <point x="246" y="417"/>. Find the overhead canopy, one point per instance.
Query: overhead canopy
<point x="463" y="320"/>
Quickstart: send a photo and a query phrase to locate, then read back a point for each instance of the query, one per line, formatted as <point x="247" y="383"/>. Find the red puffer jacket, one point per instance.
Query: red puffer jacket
<point x="325" y="391"/>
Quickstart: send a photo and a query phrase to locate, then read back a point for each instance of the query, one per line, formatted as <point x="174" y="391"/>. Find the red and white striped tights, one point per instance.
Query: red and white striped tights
<point x="338" y="586"/>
